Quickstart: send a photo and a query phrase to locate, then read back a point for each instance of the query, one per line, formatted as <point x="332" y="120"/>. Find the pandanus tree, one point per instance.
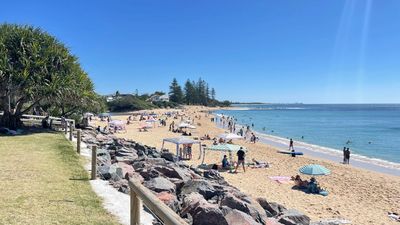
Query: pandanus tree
<point x="35" y="70"/>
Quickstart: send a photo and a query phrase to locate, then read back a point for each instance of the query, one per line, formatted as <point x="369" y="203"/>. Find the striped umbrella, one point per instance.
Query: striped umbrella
<point x="314" y="169"/>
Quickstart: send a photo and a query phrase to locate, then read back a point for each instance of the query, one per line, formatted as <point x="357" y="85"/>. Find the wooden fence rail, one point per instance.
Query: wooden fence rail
<point x="140" y="193"/>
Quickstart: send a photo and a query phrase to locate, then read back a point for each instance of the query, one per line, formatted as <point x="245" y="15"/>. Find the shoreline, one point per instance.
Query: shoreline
<point x="368" y="195"/>
<point x="322" y="152"/>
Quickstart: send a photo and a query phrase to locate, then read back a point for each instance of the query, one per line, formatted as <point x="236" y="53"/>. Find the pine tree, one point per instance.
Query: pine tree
<point x="213" y="94"/>
<point x="189" y="93"/>
<point x="175" y="92"/>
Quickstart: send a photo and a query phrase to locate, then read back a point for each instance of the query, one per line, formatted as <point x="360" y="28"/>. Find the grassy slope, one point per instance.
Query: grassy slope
<point x="42" y="181"/>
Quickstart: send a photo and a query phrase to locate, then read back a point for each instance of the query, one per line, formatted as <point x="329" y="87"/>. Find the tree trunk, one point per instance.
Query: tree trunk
<point x="11" y="121"/>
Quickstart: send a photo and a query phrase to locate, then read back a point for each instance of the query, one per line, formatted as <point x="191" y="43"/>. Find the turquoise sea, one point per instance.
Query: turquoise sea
<point x="371" y="131"/>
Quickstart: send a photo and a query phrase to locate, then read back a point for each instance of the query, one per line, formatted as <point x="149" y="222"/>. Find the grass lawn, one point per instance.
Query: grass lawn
<point x="42" y="181"/>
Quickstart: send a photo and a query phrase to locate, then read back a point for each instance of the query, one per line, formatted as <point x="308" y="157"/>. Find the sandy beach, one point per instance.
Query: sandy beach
<point x="358" y="195"/>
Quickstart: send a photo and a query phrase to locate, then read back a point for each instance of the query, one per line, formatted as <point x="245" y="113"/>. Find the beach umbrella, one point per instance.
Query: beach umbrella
<point x="225" y="148"/>
<point x="230" y="148"/>
<point x="314" y="169"/>
<point x="229" y="136"/>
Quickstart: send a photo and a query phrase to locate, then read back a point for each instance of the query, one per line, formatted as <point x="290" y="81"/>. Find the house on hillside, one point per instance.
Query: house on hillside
<point x="159" y="98"/>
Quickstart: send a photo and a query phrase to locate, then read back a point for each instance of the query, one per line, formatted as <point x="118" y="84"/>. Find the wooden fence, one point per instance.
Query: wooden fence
<point x="138" y="192"/>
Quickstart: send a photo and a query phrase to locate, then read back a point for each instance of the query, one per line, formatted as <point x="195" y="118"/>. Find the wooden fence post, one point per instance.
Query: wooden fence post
<point x="66" y="127"/>
<point x="135" y="208"/>
<point x="94" y="159"/>
<point x="71" y="128"/>
<point x="78" y="141"/>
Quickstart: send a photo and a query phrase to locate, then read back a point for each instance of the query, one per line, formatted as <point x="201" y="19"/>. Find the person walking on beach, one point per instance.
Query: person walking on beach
<point x="241" y="155"/>
<point x="291" y="144"/>
<point x="344" y="155"/>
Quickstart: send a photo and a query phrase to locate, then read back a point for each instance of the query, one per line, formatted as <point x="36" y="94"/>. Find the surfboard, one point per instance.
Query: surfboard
<point x="289" y="153"/>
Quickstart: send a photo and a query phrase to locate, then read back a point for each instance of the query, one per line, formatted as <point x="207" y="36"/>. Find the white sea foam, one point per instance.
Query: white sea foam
<point x="331" y="151"/>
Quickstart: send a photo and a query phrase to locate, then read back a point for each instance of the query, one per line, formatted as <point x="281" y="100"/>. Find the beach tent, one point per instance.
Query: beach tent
<point x="181" y="141"/>
<point x="225" y="148"/>
<point x="314" y="169"/>
<point x="229" y="136"/>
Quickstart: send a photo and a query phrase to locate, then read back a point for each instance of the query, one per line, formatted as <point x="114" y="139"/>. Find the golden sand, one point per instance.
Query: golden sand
<point x="361" y="196"/>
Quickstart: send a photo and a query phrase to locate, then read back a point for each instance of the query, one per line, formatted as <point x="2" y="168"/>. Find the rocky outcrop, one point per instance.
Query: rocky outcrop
<point x="200" y="197"/>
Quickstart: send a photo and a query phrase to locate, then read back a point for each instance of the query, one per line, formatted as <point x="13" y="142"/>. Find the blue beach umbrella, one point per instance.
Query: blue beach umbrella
<point x="314" y="169"/>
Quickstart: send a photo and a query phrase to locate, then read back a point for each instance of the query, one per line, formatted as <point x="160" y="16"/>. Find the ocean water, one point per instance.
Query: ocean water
<point x="370" y="131"/>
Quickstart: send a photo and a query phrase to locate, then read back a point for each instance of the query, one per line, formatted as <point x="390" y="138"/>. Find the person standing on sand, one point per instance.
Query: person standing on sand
<point x="241" y="155"/>
<point x="348" y="156"/>
<point x="344" y="155"/>
<point x="291" y="144"/>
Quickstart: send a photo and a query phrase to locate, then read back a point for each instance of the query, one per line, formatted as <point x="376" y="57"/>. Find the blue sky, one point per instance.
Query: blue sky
<point x="282" y="51"/>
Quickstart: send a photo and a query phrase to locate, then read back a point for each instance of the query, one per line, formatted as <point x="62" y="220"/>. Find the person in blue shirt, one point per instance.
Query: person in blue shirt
<point x="225" y="163"/>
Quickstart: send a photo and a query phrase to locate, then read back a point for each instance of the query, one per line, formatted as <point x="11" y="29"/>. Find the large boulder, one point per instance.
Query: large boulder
<point x="202" y="212"/>
<point x="104" y="172"/>
<point x="294" y="217"/>
<point x="156" y="161"/>
<point x="212" y="174"/>
<point x="135" y="177"/>
<point x="125" y="155"/>
<point x="236" y="217"/>
<point x="127" y="170"/>
<point x="103" y="157"/>
<point x="113" y="172"/>
<point x="160" y="184"/>
<point x="149" y="173"/>
<point x="122" y="186"/>
<point x="169" y="156"/>
<point x="174" y="172"/>
<point x="203" y="187"/>
<point x="271" y="208"/>
<point x="253" y="209"/>
<point x="170" y="200"/>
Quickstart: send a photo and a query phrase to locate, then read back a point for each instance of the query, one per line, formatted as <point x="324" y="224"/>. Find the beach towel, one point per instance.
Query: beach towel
<point x="281" y="179"/>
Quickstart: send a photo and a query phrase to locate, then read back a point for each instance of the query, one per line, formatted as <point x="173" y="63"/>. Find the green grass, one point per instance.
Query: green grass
<point x="42" y="181"/>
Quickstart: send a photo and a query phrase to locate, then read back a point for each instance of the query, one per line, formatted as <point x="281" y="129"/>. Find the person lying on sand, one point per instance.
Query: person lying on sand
<point x="299" y="183"/>
<point x="259" y="164"/>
